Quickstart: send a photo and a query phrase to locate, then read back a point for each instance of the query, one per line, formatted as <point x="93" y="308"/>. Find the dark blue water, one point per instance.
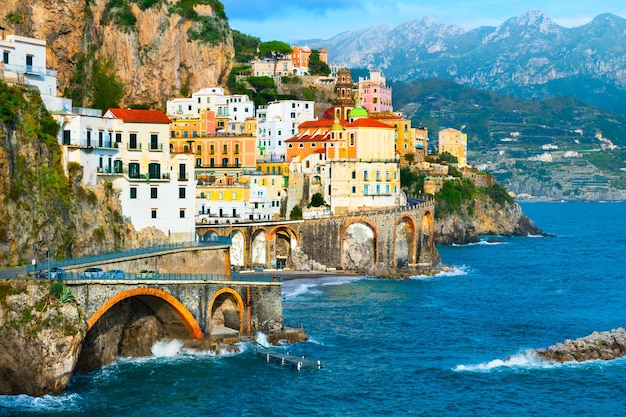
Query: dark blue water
<point x="457" y="344"/>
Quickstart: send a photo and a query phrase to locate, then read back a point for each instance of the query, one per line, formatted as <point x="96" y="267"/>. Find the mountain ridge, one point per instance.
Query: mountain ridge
<point x="528" y="56"/>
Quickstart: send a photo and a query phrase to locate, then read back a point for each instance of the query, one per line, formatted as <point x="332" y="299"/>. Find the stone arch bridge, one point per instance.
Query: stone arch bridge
<point x="398" y="237"/>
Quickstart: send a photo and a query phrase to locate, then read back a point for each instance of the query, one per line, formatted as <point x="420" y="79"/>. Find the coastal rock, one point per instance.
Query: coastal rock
<point x="40" y="339"/>
<point x="487" y="218"/>
<point x="606" y="346"/>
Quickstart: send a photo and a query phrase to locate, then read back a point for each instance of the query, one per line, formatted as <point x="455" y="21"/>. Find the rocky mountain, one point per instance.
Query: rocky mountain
<point x="528" y="56"/>
<point x="155" y="50"/>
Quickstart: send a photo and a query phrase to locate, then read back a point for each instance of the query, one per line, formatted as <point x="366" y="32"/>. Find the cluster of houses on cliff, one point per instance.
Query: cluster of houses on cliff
<point x="215" y="158"/>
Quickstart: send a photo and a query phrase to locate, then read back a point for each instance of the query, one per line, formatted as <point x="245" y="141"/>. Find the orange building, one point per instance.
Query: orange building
<point x="194" y="127"/>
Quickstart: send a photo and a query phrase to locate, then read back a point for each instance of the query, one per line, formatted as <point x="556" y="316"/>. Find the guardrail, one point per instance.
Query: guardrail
<point x="99" y="258"/>
<point x="77" y="276"/>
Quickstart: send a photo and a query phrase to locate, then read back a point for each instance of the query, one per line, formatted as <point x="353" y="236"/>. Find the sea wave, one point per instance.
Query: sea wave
<point x="529" y="360"/>
<point x="296" y="287"/>
<point x="453" y="271"/>
<point x="69" y="403"/>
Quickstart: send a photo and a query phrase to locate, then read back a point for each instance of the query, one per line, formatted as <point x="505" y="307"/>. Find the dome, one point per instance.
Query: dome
<point x="358" y="112"/>
<point x="336" y="125"/>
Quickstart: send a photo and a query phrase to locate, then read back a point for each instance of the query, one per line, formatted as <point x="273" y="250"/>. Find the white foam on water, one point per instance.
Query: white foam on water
<point x="454" y="271"/>
<point x="261" y="339"/>
<point x="166" y="348"/>
<point x="529" y="360"/>
<point x="297" y="287"/>
<point x="46" y="403"/>
<point x="523" y="360"/>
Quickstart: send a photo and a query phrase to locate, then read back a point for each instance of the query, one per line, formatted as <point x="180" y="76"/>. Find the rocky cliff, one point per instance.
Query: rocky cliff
<point x="487" y="218"/>
<point x="159" y="52"/>
<point x="43" y="207"/>
<point x="41" y="330"/>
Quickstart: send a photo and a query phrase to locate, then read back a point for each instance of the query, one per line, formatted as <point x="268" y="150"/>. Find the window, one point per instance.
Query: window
<point x="182" y="172"/>
<point x="133" y="170"/>
<point x="224" y="162"/>
<point x="154" y="213"/>
<point x="154" y="141"/>
<point x="366" y="189"/>
<point x="234" y="196"/>
<point x="387" y="175"/>
<point x="181" y="192"/>
<point x="133" y="141"/>
<point x="133" y="192"/>
<point x="365" y="175"/>
<point x="100" y="138"/>
<point x="293" y="115"/>
<point x="117" y="166"/>
<point x="88" y="137"/>
<point x="66" y="137"/>
<point x="182" y="213"/>
<point x="220" y="196"/>
<point x="351" y="139"/>
<point x="353" y="175"/>
<point x="377" y="175"/>
<point x="5" y="57"/>
<point x="353" y="189"/>
<point x="198" y="162"/>
<point x="236" y="148"/>
<point x="154" y="170"/>
<point x="154" y="192"/>
<point x="211" y="149"/>
<point x="225" y="148"/>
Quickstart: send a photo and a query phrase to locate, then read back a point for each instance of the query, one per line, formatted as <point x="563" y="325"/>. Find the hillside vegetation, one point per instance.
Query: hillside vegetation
<point x="558" y="148"/>
<point x="43" y="208"/>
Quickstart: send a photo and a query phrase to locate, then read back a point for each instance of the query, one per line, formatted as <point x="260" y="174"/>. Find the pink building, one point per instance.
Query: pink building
<point x="374" y="93"/>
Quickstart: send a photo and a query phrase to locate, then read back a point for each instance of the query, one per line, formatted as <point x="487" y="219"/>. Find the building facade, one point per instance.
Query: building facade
<point x="277" y="122"/>
<point x="454" y="142"/>
<point x="157" y="189"/>
<point x="374" y="93"/>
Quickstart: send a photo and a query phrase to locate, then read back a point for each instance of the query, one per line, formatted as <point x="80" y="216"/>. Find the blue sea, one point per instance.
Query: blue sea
<point x="457" y="344"/>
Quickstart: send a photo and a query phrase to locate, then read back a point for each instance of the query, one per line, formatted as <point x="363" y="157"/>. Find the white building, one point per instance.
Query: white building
<point x="155" y="190"/>
<point x="277" y="122"/>
<point x="266" y="192"/>
<point x="23" y="61"/>
<point x="91" y="141"/>
<point x="236" y="107"/>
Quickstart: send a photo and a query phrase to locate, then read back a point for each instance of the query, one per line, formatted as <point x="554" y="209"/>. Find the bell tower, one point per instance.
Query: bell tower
<point x="345" y="101"/>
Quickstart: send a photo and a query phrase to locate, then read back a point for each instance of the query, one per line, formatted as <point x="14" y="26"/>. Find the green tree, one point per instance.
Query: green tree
<point x="108" y="90"/>
<point x="296" y="213"/>
<point x="409" y="157"/>
<point x="317" y="200"/>
<point x="261" y="83"/>
<point x="274" y="50"/>
<point x="316" y="66"/>
<point x="245" y="46"/>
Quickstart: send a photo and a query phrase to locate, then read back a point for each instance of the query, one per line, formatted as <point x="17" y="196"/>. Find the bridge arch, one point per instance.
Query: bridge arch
<point x="237" y="248"/>
<point x="187" y="318"/>
<point x="218" y="300"/>
<point x="428" y="232"/>
<point x="405" y="236"/>
<point x="258" y="248"/>
<point x="282" y="240"/>
<point x="347" y="260"/>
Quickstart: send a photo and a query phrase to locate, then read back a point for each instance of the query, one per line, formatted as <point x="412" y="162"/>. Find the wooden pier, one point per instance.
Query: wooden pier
<point x="286" y="359"/>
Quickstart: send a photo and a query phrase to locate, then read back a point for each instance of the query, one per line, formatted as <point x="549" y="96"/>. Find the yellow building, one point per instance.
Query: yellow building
<point x="454" y="142"/>
<point x="408" y="140"/>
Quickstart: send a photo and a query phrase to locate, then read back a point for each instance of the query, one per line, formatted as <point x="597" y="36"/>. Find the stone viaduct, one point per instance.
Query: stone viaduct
<point x="398" y="237"/>
<point x="192" y="293"/>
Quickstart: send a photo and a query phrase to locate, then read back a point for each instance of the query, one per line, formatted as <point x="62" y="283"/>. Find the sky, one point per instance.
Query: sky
<point x="287" y="20"/>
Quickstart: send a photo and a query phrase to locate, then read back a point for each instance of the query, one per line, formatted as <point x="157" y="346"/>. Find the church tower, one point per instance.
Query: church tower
<point x="344" y="102"/>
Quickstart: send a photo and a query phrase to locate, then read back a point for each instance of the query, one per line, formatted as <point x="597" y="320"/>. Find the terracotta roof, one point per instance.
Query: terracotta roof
<point x="367" y="122"/>
<point x="139" y="116"/>
<point x="317" y="123"/>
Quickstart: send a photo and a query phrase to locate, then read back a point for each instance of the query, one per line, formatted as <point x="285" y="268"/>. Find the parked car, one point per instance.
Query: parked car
<point x="54" y="273"/>
<point x="115" y="274"/>
<point x="93" y="273"/>
<point x="146" y="273"/>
